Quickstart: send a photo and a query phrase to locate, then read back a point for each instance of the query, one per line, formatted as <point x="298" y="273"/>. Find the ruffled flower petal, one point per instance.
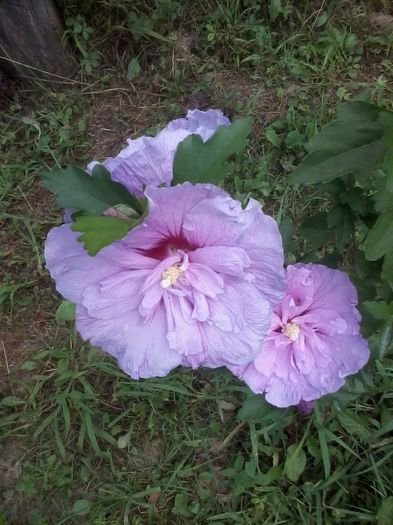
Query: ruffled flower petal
<point x="169" y="208"/>
<point x="148" y="161"/>
<point x="314" y="340"/>
<point x="203" y="123"/>
<point x="161" y="297"/>
<point x="222" y="221"/>
<point x="69" y="264"/>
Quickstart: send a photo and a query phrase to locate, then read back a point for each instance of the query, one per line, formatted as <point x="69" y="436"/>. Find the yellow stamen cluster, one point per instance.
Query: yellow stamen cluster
<point x="291" y="330"/>
<point x="170" y="276"/>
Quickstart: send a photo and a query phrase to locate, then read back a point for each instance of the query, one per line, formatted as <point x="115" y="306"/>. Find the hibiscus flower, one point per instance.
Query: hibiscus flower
<point x="148" y="161"/>
<point x="314" y="340"/>
<point x="194" y="284"/>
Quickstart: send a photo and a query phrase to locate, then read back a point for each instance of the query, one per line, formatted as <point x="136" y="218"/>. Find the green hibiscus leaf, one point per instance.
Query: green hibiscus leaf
<point x="380" y="310"/>
<point x="379" y="240"/>
<point x="316" y="230"/>
<point x="76" y="189"/>
<point x="387" y="268"/>
<point x="198" y="161"/>
<point x="386" y="120"/>
<point x="100" y="231"/>
<point x="383" y="200"/>
<point x="355" y="142"/>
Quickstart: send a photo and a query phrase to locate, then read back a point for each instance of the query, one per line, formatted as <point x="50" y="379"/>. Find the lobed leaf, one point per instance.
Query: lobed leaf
<point x="206" y="162"/>
<point x="379" y="240"/>
<point x="353" y="143"/>
<point x="316" y="230"/>
<point x="76" y="189"/>
<point x="387" y="268"/>
<point x="100" y="231"/>
<point x="387" y="123"/>
<point x="380" y="310"/>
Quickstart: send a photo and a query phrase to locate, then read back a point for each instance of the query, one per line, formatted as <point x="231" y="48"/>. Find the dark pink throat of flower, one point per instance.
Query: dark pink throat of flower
<point x="168" y="247"/>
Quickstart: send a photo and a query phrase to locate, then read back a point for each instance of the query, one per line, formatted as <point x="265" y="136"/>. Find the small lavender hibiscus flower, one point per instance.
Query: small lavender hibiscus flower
<point x="314" y="340"/>
<point x="194" y="284"/>
<point x="148" y="161"/>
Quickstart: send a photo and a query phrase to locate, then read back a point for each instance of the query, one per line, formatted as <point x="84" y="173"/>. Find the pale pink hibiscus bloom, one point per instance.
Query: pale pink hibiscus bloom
<point x="314" y="340"/>
<point x="194" y="284"/>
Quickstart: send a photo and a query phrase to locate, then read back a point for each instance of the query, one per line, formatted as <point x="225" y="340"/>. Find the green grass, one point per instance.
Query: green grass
<point x="81" y="442"/>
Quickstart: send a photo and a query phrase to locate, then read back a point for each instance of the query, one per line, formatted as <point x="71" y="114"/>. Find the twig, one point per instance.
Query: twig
<point x="317" y="13"/>
<point x="69" y="80"/>
<point x="228" y="439"/>
<point x="24" y="196"/>
<point x="6" y="366"/>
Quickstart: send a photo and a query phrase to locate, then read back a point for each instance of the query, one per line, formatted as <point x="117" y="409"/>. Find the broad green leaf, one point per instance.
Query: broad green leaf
<point x="353" y="143"/>
<point x="133" y="69"/>
<point x="76" y="189"/>
<point x="387" y="123"/>
<point x="316" y="230"/>
<point x="273" y="138"/>
<point x="331" y="259"/>
<point x="294" y="139"/>
<point x="387" y="268"/>
<point x="351" y="390"/>
<point x="65" y="312"/>
<point x="295" y="462"/>
<point x="275" y="8"/>
<point x="256" y="407"/>
<point x="252" y="408"/>
<point x="322" y="19"/>
<point x="385" y="512"/>
<point x="380" y="310"/>
<point x="99" y="231"/>
<point x="383" y="200"/>
<point x="287" y="232"/>
<point x="335" y="187"/>
<point x="198" y="161"/>
<point x="181" y="505"/>
<point x="354" y="424"/>
<point x="356" y="201"/>
<point x="271" y="475"/>
<point x="379" y="240"/>
<point x="28" y="366"/>
<point x="335" y="216"/>
<point x="81" y="507"/>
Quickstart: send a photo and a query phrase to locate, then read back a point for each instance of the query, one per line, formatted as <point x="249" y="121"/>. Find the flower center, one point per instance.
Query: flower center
<point x="170" y="276"/>
<point x="291" y="330"/>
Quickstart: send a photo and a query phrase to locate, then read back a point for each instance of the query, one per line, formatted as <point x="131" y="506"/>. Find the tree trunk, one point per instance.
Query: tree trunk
<point x="30" y="35"/>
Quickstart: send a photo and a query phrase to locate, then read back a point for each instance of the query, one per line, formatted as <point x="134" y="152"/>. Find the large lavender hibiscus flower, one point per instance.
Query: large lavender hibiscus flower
<point x="148" y="161"/>
<point x="314" y="340"/>
<point x="192" y="285"/>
